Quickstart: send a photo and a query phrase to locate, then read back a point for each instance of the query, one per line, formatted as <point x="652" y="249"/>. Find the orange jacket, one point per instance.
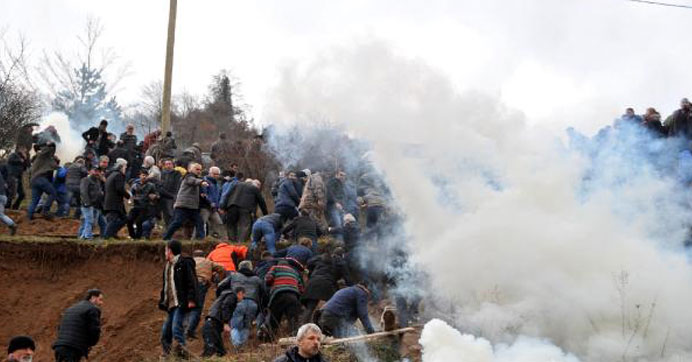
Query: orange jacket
<point x="222" y="254"/>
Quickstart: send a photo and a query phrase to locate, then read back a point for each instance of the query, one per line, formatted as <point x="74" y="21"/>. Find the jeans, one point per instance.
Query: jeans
<point x="17" y="185"/>
<point x="172" y="329"/>
<point x="74" y="199"/>
<point x="147" y="226"/>
<point x="195" y="313"/>
<point x="39" y="186"/>
<point x="116" y="220"/>
<point x="86" y="228"/>
<point x="264" y="229"/>
<point x="4" y="218"/>
<point x="63" y="200"/>
<point x="179" y="217"/>
<point x="241" y="322"/>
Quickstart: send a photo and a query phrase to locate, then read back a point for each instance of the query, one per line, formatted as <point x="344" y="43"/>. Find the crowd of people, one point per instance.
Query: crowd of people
<point x="121" y="183"/>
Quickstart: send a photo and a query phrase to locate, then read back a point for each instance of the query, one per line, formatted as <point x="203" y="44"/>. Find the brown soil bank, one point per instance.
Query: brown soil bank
<point x="39" y="278"/>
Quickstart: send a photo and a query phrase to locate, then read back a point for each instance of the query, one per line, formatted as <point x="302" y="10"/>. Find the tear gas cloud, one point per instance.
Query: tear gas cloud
<point x="71" y="143"/>
<point x="541" y="242"/>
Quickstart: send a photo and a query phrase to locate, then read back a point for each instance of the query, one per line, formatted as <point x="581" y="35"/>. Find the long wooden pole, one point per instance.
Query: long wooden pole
<point x="292" y="340"/>
<point x="168" y="75"/>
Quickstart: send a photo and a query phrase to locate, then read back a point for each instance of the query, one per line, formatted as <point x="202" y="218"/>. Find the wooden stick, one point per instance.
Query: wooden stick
<point x="292" y="340"/>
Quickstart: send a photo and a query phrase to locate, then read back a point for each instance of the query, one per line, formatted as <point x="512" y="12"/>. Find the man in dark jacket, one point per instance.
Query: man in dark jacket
<point x="178" y="295"/>
<point x="93" y="134"/>
<point x="42" y="168"/>
<point x="342" y="310"/>
<point x="269" y="228"/>
<point x="680" y="122"/>
<point x="115" y="195"/>
<point x="218" y="320"/>
<point x="79" y="329"/>
<point x="91" y="200"/>
<point x="17" y="163"/>
<point x="324" y="272"/>
<point x="145" y="198"/>
<point x="75" y="173"/>
<point x="303" y="226"/>
<point x="170" y="182"/>
<point x="241" y="206"/>
<point x="309" y="339"/>
<point x="129" y="139"/>
<point x="288" y="197"/>
<point x="209" y="204"/>
<point x="336" y="199"/>
<point x="187" y="202"/>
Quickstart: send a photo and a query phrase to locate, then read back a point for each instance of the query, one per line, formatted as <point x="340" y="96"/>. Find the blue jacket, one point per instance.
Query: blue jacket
<point x="226" y="190"/>
<point x="288" y="195"/>
<point x="212" y="191"/>
<point x="351" y="303"/>
<point x="298" y="252"/>
<point x="59" y="180"/>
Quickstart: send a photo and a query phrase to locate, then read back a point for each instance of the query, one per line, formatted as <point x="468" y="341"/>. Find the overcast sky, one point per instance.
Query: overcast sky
<point x="577" y="62"/>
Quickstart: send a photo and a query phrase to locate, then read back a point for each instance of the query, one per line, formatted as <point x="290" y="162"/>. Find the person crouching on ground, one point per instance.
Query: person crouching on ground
<point x="178" y="295"/>
<point x="80" y="328"/>
<point x="187" y="203"/>
<point x="218" y="320"/>
<point x="309" y="340"/>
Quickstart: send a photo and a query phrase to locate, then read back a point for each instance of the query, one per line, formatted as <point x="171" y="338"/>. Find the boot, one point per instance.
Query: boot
<point x="13" y="229"/>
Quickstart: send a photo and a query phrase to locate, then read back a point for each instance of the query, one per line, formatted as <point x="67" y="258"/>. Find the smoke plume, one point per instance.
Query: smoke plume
<point x="71" y="143"/>
<point x="528" y="235"/>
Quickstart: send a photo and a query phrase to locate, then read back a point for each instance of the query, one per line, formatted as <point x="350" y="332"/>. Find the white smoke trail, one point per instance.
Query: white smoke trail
<point x="71" y="143"/>
<point x="524" y="235"/>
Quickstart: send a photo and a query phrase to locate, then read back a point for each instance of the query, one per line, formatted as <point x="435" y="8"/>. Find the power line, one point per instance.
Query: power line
<point x="661" y="4"/>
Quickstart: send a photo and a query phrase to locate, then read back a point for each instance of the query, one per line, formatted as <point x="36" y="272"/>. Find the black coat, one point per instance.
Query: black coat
<point x="80" y="327"/>
<point x="91" y="192"/>
<point x="185" y="279"/>
<point x="223" y="307"/>
<point x="302" y="226"/>
<point x="170" y="181"/>
<point x="247" y="196"/>
<point x="325" y="272"/>
<point x="292" y="355"/>
<point x="115" y="192"/>
<point x="17" y="164"/>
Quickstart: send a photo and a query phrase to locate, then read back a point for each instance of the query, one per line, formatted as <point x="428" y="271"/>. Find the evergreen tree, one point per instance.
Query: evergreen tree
<point x="87" y="101"/>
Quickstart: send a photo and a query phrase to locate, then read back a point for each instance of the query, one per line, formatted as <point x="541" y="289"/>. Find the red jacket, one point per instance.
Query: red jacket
<point x="223" y="254"/>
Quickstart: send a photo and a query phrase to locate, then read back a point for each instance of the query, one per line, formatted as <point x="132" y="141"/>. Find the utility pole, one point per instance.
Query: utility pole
<point x="168" y="76"/>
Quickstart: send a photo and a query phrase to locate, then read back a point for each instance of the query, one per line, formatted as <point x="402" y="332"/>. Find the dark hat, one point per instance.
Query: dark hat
<point x="300" y="174"/>
<point x="175" y="246"/>
<point x="21" y="342"/>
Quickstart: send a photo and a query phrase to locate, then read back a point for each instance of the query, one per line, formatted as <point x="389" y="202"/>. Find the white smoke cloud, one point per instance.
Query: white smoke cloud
<point x="71" y="143"/>
<point x="523" y="234"/>
<point x="443" y="343"/>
